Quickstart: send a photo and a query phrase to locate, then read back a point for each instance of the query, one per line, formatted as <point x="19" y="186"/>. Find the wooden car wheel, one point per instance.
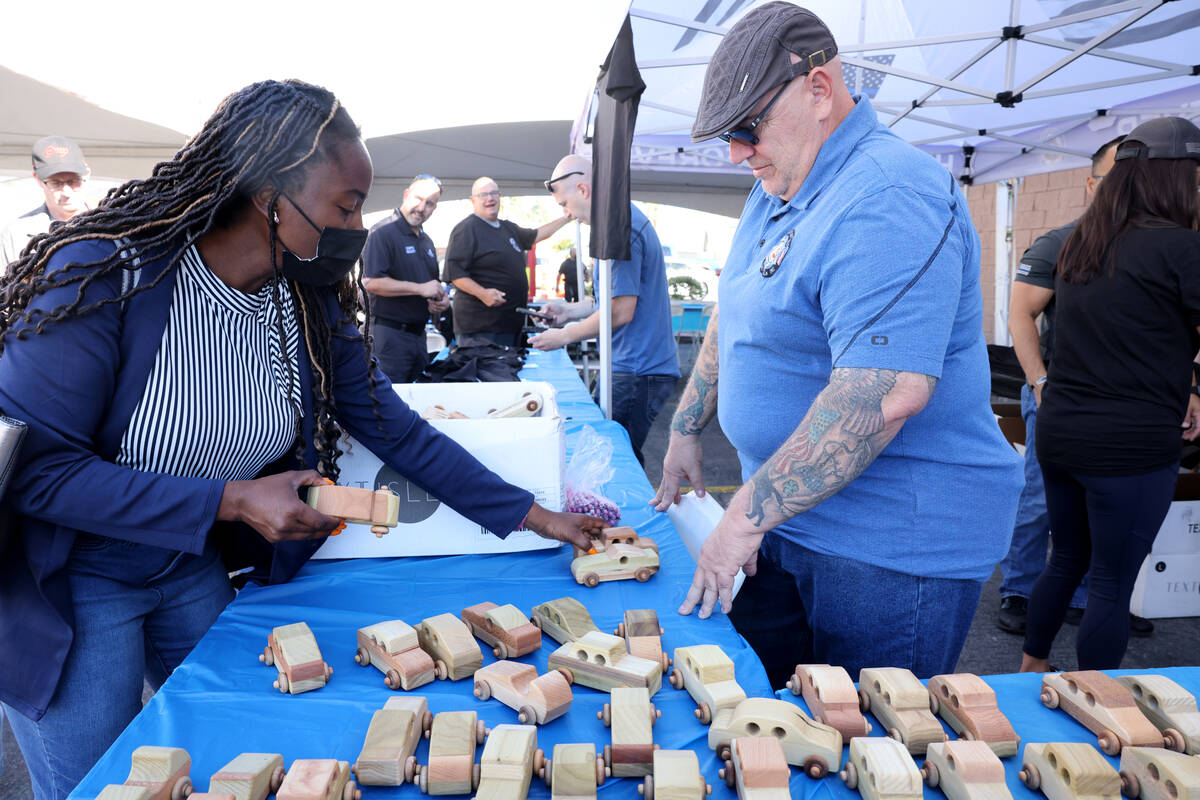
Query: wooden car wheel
<point x="427" y="721"/>
<point x="676" y="678"/>
<point x="566" y="673"/>
<point x="864" y="702"/>
<point x="539" y="760"/>
<point x="423" y="781"/>
<point x="277" y="779"/>
<point x="481" y="731"/>
<point x="267" y="656"/>
<point x="351" y="792"/>
<point x="704" y="714"/>
<point x="281" y="683"/>
<point x="440" y="670"/>
<point x="591" y="580"/>
<point x="608" y="756"/>
<point x="655" y="715"/>
<point x="1129" y="784"/>
<point x="1049" y="697"/>
<point x="605" y="715"/>
<point x="666" y="662"/>
<point x="328" y="673"/>
<point x="793" y="685"/>
<point x="1108" y="743"/>
<point x="1029" y="776"/>
<point x="410" y="769"/>
<point x="474" y="776"/>
<point x="646" y="787"/>
<point x="620" y="631"/>
<point x="726" y="772"/>
<point x="723" y="751"/>
<point x="392" y="679"/>
<point x="182" y="788"/>
<point x="849" y="775"/>
<point x="934" y="704"/>
<point x="362" y="657"/>
<point x="894" y="733"/>
<point x="537" y="623"/>
<point x="931" y="774"/>
<point x="482" y="690"/>
<point x="1172" y="740"/>
<point x="815" y="767"/>
<point x="642" y="575"/>
<point x="601" y="771"/>
<point x="969" y="736"/>
<point x="527" y="716"/>
<point x="545" y="774"/>
<point x="500" y="650"/>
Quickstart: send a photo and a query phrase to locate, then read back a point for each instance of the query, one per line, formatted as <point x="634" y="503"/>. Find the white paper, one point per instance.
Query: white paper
<point x="695" y="518"/>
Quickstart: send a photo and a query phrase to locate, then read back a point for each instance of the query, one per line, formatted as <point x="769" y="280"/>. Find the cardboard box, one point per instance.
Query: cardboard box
<point x="529" y="452"/>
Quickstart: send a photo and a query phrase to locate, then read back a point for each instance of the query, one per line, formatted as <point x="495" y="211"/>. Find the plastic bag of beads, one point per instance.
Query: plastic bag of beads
<point x="589" y="469"/>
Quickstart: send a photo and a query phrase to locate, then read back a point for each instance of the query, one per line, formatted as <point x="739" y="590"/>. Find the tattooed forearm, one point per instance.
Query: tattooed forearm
<point x="699" y="400"/>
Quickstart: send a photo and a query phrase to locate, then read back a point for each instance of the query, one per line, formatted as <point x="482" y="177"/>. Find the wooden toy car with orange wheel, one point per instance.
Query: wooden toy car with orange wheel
<point x="392" y="647"/>
<point x="707" y="674"/>
<point x="292" y="649"/>
<point x="1107" y="709"/>
<point x="622" y="534"/>
<point x="505" y="628"/>
<point x="617" y="562"/>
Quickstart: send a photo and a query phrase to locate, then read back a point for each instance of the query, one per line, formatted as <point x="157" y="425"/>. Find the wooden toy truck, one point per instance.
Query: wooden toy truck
<point x="617" y="562"/>
<point x="448" y="641"/>
<point x="1152" y="773"/>
<point x="250" y="776"/>
<point x="1106" y="708"/>
<point x="392" y="647"/>
<point x="162" y="771"/>
<point x="573" y="772"/>
<point x="676" y="777"/>
<point x="380" y="508"/>
<point x="965" y="770"/>
<point x="537" y="699"/>
<point x="631" y="716"/>
<point x="901" y="704"/>
<point x="388" y="756"/>
<point x="599" y="660"/>
<point x="563" y="620"/>
<point x="292" y="649"/>
<point x="510" y="758"/>
<point x="622" y="534"/>
<point x="831" y="697"/>
<point x="643" y="635"/>
<point x="707" y="674"/>
<point x="757" y="769"/>
<point x="1069" y="771"/>
<point x="452" y="741"/>
<point x="881" y="769"/>
<point x="318" y="779"/>
<point x="813" y="746"/>
<point x="505" y="628"/>
<point x="1168" y="706"/>
<point x="969" y="706"/>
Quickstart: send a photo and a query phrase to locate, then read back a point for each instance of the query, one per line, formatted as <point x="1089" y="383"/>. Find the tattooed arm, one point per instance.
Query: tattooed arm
<point x="684" y="459"/>
<point x="849" y="423"/>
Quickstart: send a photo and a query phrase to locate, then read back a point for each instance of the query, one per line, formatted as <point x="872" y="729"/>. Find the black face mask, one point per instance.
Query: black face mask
<point x="337" y="250"/>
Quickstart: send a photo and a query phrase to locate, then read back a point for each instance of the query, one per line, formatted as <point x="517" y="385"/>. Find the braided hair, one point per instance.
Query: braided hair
<point x="270" y="132"/>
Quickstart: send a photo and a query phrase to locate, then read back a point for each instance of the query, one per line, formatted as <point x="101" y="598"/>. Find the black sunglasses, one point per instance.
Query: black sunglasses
<point x="746" y="133"/>
<point x="550" y="183"/>
<point x="426" y="177"/>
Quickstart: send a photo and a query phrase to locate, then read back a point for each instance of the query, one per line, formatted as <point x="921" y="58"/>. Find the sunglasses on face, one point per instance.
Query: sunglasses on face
<point x="493" y="193"/>
<point x="56" y="185"/>
<point x="745" y="133"/>
<point x="426" y="177"/>
<point x="550" y="183"/>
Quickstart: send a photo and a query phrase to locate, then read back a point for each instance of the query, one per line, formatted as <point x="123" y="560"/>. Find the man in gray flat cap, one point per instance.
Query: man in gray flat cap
<point x="61" y="172"/>
<point x="879" y="492"/>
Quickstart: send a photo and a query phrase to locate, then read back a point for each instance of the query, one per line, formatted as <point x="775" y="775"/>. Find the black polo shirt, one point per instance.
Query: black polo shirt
<point x="393" y="250"/>
<point x="493" y="257"/>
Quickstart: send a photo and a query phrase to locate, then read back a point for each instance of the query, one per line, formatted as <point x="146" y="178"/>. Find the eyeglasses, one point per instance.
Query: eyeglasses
<point x="746" y="133"/>
<point x="492" y="193"/>
<point x="426" y="177"/>
<point x="56" y="185"/>
<point x="550" y="183"/>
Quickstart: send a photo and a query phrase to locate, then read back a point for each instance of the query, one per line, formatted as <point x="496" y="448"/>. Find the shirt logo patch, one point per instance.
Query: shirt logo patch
<point x="513" y="242"/>
<point x="1023" y="269"/>
<point x="771" y="263"/>
<point x="429" y="252"/>
<point x="408" y="248"/>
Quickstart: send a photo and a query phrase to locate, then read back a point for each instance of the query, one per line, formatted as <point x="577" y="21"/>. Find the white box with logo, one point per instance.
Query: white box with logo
<point x="1168" y="584"/>
<point x="529" y="452"/>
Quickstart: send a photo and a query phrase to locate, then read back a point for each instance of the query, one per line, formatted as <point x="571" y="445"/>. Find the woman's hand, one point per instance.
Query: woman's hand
<point x="574" y="529"/>
<point x="272" y="506"/>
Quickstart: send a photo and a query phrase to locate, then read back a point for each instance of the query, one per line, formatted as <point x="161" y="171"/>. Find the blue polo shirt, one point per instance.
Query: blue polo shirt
<point x="874" y="263"/>
<point x="645" y="345"/>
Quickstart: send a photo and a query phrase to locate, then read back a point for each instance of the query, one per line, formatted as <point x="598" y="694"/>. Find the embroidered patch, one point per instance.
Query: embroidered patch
<point x="774" y="258"/>
<point x="429" y="252"/>
<point x="408" y="248"/>
<point x="513" y="242"/>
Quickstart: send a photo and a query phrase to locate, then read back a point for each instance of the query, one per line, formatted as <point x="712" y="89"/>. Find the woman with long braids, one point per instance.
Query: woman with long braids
<point x="186" y="358"/>
<point x="1120" y="397"/>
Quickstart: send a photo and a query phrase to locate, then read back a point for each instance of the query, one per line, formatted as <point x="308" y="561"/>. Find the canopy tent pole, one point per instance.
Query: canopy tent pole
<point x="579" y="270"/>
<point x="1006" y="201"/>
<point x="603" y="288"/>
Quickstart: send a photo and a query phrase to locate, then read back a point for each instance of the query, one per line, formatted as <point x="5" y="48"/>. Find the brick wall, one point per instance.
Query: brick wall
<point x="1043" y="202"/>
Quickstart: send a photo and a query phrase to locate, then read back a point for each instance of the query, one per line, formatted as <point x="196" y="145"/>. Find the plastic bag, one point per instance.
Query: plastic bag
<point x="590" y="468"/>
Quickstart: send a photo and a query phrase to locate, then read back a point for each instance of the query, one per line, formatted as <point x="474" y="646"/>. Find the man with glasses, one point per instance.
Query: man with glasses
<point x="61" y="171"/>
<point x="485" y="260"/>
<point x="879" y="492"/>
<point x="400" y="274"/>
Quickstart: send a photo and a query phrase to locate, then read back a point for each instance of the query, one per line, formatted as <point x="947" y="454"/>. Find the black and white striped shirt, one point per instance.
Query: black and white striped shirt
<point x="218" y="402"/>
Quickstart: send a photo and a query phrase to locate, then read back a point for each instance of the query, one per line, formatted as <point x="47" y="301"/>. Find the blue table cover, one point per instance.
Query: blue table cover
<point x="220" y="701"/>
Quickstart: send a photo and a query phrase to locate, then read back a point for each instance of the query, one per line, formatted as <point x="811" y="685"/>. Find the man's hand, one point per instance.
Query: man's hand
<point x="1037" y="394"/>
<point x="551" y="339"/>
<point x="432" y="290"/>
<point x="438" y="306"/>
<point x="272" y="506"/>
<point x="555" y="311"/>
<point x="683" y="463"/>
<point x="574" y="529"/>
<point x="1191" y="420"/>
<point x="492" y="298"/>
<point x="725" y="551"/>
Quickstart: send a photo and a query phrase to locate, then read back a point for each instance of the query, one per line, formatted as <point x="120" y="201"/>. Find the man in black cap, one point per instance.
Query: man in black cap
<point x="61" y="171"/>
<point x="854" y="382"/>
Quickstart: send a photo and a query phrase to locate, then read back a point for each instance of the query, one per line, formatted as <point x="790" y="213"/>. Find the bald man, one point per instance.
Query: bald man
<point x="644" y="360"/>
<point x="485" y="260"/>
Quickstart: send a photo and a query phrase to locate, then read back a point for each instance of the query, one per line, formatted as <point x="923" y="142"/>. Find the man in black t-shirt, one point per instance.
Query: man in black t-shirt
<point x="485" y="260"/>
<point x="400" y="274"/>
<point x="568" y="272"/>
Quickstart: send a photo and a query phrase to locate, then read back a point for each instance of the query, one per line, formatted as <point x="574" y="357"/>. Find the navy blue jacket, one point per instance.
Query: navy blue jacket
<point x="77" y="384"/>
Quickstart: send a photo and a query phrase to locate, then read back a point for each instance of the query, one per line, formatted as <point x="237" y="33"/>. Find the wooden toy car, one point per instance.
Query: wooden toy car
<point x="600" y="661"/>
<point x="250" y="776"/>
<point x="380" y="508"/>
<point x="707" y="674"/>
<point x="573" y="772"/>
<point x="292" y="649"/>
<point x="211" y="796"/>
<point x="631" y="716"/>
<point x="119" y="791"/>
<point x="505" y="628"/>
<point x="643" y="635"/>
<point x="563" y="620"/>
<point x="530" y="405"/>
<point x="393" y="648"/>
<point x="901" y="704"/>
<point x="831" y="697"/>
<point x="810" y="745"/>
<point x="1168" y="706"/>
<point x="1106" y="708"/>
<point x="510" y="758"/>
<point x="618" y="562"/>
<point x="318" y="779"/>
<point x="676" y="777"/>
<point x="448" y="640"/>
<point x="452" y="740"/>
<point x="441" y="412"/>
<point x="1069" y="771"/>
<point x="537" y="698"/>
<point x="1152" y="773"/>
<point x="622" y="534"/>
<point x="757" y="769"/>
<point x="969" y="706"/>
<point x="388" y="756"/>
<point x="965" y="770"/>
<point x="162" y="771"/>
<point x="881" y="769"/>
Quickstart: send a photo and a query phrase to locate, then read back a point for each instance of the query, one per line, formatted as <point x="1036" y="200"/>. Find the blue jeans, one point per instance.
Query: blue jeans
<point x="137" y="627"/>
<point x="636" y="401"/>
<point x="1031" y="532"/>
<point x="803" y="607"/>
